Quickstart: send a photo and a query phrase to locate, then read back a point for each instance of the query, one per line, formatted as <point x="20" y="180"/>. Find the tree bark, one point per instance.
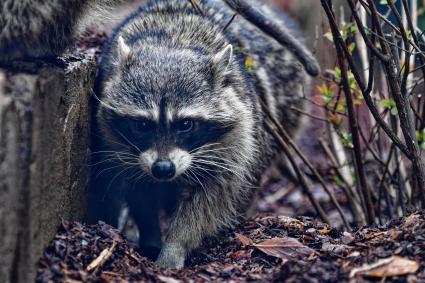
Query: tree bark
<point x="44" y="153"/>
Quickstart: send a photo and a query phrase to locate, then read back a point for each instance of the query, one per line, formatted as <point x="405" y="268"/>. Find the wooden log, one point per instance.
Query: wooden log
<point x="44" y="153"/>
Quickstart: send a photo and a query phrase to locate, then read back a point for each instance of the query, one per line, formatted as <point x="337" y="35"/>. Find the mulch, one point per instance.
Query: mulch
<point x="263" y="249"/>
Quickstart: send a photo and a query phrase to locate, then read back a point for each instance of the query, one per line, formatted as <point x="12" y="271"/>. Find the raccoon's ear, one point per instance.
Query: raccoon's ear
<point x="123" y="49"/>
<point x="223" y="59"/>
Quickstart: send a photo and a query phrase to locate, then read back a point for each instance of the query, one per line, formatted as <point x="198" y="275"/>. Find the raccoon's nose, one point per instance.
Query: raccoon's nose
<point x="163" y="170"/>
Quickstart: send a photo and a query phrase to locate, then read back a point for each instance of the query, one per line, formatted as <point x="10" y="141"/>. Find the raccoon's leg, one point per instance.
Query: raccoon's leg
<point x="105" y="198"/>
<point x="197" y="216"/>
<point x="144" y="207"/>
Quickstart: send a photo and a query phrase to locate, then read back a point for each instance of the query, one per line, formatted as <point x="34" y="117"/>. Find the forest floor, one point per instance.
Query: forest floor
<point x="263" y="249"/>
<point x="276" y="245"/>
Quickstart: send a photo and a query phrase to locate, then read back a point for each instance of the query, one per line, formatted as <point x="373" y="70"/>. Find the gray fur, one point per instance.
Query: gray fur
<point x="41" y="28"/>
<point x="179" y="61"/>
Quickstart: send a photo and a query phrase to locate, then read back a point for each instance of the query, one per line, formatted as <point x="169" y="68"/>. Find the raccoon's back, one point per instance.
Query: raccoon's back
<point x="271" y="68"/>
<point x="175" y="24"/>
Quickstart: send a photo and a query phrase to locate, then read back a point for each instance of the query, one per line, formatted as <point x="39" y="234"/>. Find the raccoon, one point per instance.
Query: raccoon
<point x="41" y="28"/>
<point x="179" y="121"/>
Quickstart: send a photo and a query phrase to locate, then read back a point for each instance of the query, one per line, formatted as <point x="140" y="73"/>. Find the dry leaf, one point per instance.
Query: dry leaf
<point x="284" y="248"/>
<point x="290" y="222"/>
<point x="244" y="239"/>
<point x="166" y="279"/>
<point x="108" y="276"/>
<point x="392" y="266"/>
<point x="237" y="255"/>
<point x="325" y="231"/>
<point x="411" y="220"/>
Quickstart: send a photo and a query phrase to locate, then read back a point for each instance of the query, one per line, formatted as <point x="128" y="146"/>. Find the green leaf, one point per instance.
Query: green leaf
<point x="351" y="47"/>
<point x="341" y="106"/>
<point x="385" y="2"/>
<point x="389" y="104"/>
<point x="335" y="119"/>
<point x="338" y="75"/>
<point x="337" y="180"/>
<point x="420" y="136"/>
<point x="346" y="139"/>
<point x="394" y="111"/>
<point x="326" y="92"/>
<point x="352" y="81"/>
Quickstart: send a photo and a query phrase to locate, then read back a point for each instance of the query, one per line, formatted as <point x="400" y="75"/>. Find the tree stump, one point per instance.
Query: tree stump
<point x="44" y="156"/>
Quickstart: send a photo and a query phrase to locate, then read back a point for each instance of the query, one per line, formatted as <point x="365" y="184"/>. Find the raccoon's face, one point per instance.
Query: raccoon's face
<point x="168" y="148"/>
<point x="166" y="113"/>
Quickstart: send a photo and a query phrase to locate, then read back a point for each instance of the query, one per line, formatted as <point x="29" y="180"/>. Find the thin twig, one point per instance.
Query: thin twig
<point x="381" y="185"/>
<point x="323" y="119"/>
<point x="404" y="110"/>
<point x="197" y="8"/>
<point x="366" y="92"/>
<point x="102" y="258"/>
<point x="352" y="119"/>
<point x="288" y="140"/>
<point x="303" y="182"/>
<point x="230" y="22"/>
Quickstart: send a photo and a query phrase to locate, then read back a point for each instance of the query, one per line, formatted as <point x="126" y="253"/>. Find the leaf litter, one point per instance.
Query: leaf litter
<point x="263" y="249"/>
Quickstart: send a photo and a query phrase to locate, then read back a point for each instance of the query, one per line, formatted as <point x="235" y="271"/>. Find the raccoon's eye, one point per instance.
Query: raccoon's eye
<point x="185" y="125"/>
<point x="145" y="126"/>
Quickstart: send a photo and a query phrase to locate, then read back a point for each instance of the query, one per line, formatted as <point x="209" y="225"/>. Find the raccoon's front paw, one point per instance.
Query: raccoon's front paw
<point x="171" y="256"/>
